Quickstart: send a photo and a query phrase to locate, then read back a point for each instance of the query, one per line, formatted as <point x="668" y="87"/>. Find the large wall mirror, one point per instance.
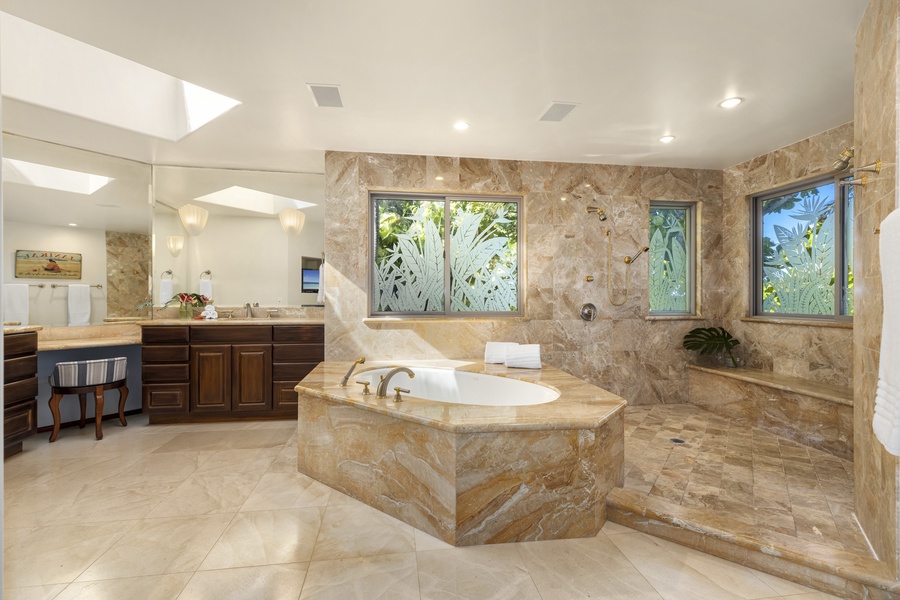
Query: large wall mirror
<point x="58" y="199"/>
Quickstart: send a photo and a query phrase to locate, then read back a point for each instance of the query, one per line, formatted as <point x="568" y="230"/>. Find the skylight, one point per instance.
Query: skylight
<point x="54" y="178"/>
<point x="252" y="200"/>
<point x="47" y="69"/>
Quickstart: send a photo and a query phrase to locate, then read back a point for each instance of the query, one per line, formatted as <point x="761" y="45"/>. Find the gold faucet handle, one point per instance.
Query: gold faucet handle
<point x="397" y="397"/>
<point x="365" y="385"/>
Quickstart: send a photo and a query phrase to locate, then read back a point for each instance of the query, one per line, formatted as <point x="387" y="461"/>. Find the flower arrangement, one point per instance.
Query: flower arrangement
<point x="187" y="301"/>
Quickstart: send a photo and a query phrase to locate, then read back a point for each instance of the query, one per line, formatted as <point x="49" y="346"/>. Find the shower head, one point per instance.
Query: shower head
<point x="844" y="160"/>
<point x="631" y="259"/>
<point x="600" y="212"/>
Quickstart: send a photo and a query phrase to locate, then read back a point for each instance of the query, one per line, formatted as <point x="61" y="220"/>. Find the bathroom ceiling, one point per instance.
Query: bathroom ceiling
<point x="408" y="70"/>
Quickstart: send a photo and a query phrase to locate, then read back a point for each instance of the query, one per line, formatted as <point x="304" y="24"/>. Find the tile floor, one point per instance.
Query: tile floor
<point x="218" y="511"/>
<point x="746" y="473"/>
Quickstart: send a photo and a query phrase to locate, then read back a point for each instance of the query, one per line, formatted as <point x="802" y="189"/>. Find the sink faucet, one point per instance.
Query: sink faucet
<point x="358" y="361"/>
<point x="381" y="391"/>
<point x="249" y="308"/>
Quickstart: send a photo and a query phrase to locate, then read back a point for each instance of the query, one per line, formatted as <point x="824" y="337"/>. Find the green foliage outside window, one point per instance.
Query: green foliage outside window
<point x="669" y="260"/>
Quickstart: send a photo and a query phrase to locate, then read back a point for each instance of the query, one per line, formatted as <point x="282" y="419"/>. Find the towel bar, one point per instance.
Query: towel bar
<point x="59" y="285"/>
<point x="40" y="285"/>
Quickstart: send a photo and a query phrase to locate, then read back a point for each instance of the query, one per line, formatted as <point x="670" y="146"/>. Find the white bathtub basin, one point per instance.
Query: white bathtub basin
<point x="462" y="387"/>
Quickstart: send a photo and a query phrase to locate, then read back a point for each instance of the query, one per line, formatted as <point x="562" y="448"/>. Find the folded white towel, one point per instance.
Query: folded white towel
<point x="79" y="304"/>
<point x="166" y="290"/>
<point x="886" y="422"/>
<point x="15" y="302"/>
<point x="495" y="352"/>
<point x="524" y="356"/>
<point x="320" y="297"/>
<point x="206" y="288"/>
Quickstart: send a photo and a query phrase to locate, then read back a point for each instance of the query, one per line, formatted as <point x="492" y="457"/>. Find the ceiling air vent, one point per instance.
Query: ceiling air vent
<point x="558" y="111"/>
<point x="326" y="96"/>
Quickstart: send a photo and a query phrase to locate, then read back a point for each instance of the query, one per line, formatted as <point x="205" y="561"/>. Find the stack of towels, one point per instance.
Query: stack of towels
<point x="886" y="422"/>
<point x="209" y="313"/>
<point x="518" y="356"/>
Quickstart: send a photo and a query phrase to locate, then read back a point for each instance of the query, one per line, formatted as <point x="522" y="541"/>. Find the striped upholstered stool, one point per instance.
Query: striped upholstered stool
<point x="85" y="377"/>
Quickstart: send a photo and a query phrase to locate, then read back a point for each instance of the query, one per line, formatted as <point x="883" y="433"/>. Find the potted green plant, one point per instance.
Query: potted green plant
<point x="709" y="340"/>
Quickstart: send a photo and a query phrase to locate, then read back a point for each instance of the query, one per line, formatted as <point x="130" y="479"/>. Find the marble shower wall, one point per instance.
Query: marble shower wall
<point x="875" y="137"/>
<point x="819" y="353"/>
<point x="128" y="258"/>
<point x="638" y="359"/>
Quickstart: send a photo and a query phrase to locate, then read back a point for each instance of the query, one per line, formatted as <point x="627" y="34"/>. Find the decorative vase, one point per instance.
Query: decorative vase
<point x="185" y="311"/>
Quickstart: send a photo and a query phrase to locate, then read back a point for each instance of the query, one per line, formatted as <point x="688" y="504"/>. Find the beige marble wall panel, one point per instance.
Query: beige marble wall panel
<point x="875" y="137"/>
<point x="563" y="245"/>
<point x="127" y="272"/>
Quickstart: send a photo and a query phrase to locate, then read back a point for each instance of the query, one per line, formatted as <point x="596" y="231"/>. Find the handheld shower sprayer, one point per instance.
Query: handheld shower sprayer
<point x="600" y="212"/>
<point x="631" y="259"/>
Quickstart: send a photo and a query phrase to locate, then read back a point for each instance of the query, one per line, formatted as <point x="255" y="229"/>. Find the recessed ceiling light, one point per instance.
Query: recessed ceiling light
<point x="438" y="178"/>
<point x="730" y="102"/>
<point x="460" y="126"/>
<point x="587" y="185"/>
<point x="73" y="224"/>
<point x="563" y="198"/>
<point x="667" y="139"/>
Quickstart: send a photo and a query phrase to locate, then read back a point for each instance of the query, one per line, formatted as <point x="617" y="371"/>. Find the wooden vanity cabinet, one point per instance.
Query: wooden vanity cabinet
<point x="20" y="388"/>
<point x="228" y="371"/>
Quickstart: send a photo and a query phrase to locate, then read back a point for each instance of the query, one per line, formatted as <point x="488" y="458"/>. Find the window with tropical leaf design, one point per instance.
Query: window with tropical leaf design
<point x="445" y="256"/>
<point x="804" y="251"/>
<point x="672" y="273"/>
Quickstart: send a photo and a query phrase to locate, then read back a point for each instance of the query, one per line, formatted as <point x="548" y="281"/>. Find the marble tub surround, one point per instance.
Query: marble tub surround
<point x="466" y="474"/>
<point x="814" y="414"/>
<point x="747" y="495"/>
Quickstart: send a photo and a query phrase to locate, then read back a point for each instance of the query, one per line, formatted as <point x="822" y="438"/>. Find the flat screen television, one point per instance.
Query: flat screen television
<point x="310" y="284"/>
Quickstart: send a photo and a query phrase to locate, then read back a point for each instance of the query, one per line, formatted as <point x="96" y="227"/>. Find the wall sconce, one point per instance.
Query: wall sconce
<point x="860" y="181"/>
<point x="292" y="221"/>
<point x="875" y="167"/>
<point x="175" y="243"/>
<point x="193" y="218"/>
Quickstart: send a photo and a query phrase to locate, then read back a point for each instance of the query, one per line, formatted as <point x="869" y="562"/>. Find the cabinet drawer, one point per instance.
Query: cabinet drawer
<point x="21" y="390"/>
<point x="298" y="352"/>
<point x="19" y="368"/>
<point x="291" y="371"/>
<point x="15" y="344"/>
<point x="284" y="395"/>
<point x="162" y="335"/>
<point x="166" y="397"/>
<point x="162" y="373"/>
<point x="234" y="334"/>
<point x="299" y="333"/>
<point x="166" y="354"/>
<point x="19" y="422"/>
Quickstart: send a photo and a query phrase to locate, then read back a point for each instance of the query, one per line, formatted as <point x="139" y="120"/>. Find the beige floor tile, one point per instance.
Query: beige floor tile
<point x="812" y="596"/>
<point x="336" y="498"/>
<point x="350" y="530"/>
<point x="206" y="494"/>
<point x="56" y="554"/>
<point x="610" y="528"/>
<point x="214" y="440"/>
<point x="494" y="572"/>
<point x="428" y="542"/>
<point x="389" y="577"/>
<point x="153" y="587"/>
<point x="782" y="586"/>
<point x="680" y="573"/>
<point x="584" y="568"/>
<point x="287" y="490"/>
<point x="269" y="582"/>
<point x="39" y="592"/>
<point x="255" y="460"/>
<point x="266" y="537"/>
<point x="159" y="546"/>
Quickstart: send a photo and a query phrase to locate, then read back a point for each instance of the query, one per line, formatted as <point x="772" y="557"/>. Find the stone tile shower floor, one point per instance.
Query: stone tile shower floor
<point x="219" y="511"/>
<point x="748" y="474"/>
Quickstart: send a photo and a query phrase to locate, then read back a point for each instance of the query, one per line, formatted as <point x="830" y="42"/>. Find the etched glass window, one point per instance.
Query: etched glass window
<point x="671" y="258"/>
<point x="804" y="254"/>
<point x="445" y="255"/>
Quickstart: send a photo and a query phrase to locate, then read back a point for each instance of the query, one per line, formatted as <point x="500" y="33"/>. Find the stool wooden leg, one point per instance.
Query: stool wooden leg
<point x="54" y="409"/>
<point x="98" y="395"/>
<point x="123" y="395"/>
<point x="83" y="399"/>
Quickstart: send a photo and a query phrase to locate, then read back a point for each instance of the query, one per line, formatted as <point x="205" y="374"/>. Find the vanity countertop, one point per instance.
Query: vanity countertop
<point x="20" y="328"/>
<point x="89" y="336"/>
<point x="227" y="322"/>
<point x="580" y="405"/>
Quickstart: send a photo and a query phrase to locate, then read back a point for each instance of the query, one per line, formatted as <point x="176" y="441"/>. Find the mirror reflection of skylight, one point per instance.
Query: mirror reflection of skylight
<point x="252" y="200"/>
<point x="54" y="178"/>
<point x="47" y="69"/>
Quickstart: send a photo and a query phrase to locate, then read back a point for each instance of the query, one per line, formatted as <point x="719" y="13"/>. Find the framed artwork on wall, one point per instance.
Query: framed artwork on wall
<point x="43" y="264"/>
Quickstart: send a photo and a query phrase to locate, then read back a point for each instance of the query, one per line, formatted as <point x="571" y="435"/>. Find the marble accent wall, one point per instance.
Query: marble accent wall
<point x="818" y="353"/>
<point x="623" y="352"/>
<point x="875" y="137"/>
<point x="128" y="259"/>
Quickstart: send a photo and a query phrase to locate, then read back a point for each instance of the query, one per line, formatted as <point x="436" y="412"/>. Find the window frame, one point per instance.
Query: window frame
<point x="691" y="252"/>
<point x="446" y="198"/>
<point x="756" y="237"/>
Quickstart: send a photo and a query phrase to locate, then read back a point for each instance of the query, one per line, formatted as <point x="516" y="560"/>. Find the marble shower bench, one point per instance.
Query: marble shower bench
<point x="811" y="413"/>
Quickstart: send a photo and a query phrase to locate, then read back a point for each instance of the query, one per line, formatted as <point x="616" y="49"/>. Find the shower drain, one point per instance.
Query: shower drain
<point x="677" y="441"/>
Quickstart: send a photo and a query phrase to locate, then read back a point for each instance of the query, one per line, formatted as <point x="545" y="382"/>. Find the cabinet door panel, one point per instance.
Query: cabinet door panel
<point x="251" y="384"/>
<point x="210" y="378"/>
